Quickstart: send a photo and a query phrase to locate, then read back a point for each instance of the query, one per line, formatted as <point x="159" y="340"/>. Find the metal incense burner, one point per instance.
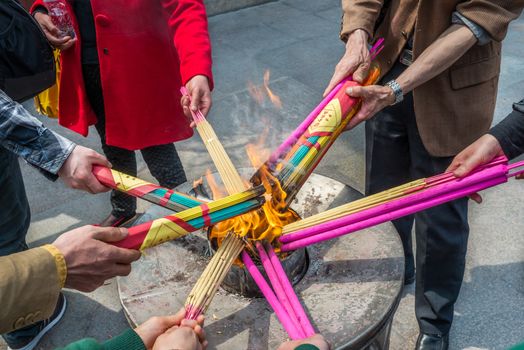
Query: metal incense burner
<point x="350" y="286"/>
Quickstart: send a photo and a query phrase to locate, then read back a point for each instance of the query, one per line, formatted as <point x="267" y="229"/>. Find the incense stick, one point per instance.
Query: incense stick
<point x="230" y="177"/>
<point x="290" y="293"/>
<point x="392" y="215"/>
<point x="277" y="307"/>
<point x="205" y="288"/>
<point x="133" y="186"/>
<point x="278" y="288"/>
<point x="177" y="225"/>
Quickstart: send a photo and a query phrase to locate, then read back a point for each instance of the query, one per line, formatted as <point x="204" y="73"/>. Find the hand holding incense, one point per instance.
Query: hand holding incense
<point x="230" y="177"/>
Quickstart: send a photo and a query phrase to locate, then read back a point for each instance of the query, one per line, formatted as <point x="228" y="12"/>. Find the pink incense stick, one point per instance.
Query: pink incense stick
<point x="299" y="131"/>
<point x="394" y="214"/>
<point x="278" y="288"/>
<point x="288" y="289"/>
<point x="427" y="194"/>
<point x="280" y="312"/>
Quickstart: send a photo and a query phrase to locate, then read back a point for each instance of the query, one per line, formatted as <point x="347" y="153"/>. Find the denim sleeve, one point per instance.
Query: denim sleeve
<point x="26" y="136"/>
<point x="482" y="35"/>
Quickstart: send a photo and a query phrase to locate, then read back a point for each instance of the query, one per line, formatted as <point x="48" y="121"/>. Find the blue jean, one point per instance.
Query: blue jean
<point x="15" y="217"/>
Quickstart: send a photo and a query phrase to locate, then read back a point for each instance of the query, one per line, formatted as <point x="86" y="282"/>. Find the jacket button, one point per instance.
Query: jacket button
<point x="106" y="51"/>
<point x="404" y="34"/>
<point x="19" y="323"/>
<point x="389" y="61"/>
<point x="102" y="20"/>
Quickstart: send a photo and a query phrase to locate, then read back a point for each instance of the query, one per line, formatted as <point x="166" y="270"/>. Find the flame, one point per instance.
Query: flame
<point x="265" y="223"/>
<point x="217" y="191"/>
<point x="274" y="98"/>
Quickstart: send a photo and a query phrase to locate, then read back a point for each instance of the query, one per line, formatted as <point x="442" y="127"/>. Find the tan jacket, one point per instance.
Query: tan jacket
<point x="456" y="107"/>
<point x="29" y="287"/>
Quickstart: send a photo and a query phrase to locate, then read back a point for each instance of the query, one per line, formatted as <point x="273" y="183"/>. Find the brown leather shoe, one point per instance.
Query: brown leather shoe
<point x="117" y="221"/>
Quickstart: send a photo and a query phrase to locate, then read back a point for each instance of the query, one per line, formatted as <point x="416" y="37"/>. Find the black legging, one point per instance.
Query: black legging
<point x="163" y="161"/>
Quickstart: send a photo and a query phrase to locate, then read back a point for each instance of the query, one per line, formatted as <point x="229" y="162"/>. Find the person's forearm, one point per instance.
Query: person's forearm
<point x="439" y="56"/>
<point x="26" y="136"/>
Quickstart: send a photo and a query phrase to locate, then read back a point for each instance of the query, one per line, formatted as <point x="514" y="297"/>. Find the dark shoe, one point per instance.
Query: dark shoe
<point x="116" y="221"/>
<point x="432" y="342"/>
<point x="38" y="330"/>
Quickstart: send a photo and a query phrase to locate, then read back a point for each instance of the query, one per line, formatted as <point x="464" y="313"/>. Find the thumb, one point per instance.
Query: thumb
<point x="110" y="234"/>
<point x="356" y="91"/>
<point x="101" y="160"/>
<point x="196" y="96"/>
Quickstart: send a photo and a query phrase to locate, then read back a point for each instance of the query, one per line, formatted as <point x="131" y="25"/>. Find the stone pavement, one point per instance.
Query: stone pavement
<point x="298" y="41"/>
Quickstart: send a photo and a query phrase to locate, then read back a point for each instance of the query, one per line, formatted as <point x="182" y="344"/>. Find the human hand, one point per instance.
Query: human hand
<point x="150" y="330"/>
<point x="478" y="153"/>
<point x="356" y="60"/>
<point x="187" y="334"/>
<point x="77" y="170"/>
<point x="198" y="89"/>
<point x="317" y="340"/>
<point x="52" y="32"/>
<point x="90" y="260"/>
<point x="374" y="99"/>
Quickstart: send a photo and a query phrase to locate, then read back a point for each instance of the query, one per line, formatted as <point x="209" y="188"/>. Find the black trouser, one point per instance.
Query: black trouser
<point x="163" y="161"/>
<point x="395" y="154"/>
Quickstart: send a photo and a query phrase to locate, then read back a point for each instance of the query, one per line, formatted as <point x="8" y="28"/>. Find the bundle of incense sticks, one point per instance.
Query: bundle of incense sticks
<point x="285" y="303"/>
<point x="162" y="196"/>
<point x="177" y="225"/>
<point x="293" y="168"/>
<point x="373" y="200"/>
<point x="207" y="285"/>
<point x="301" y="129"/>
<point x="227" y="171"/>
<point x="437" y="190"/>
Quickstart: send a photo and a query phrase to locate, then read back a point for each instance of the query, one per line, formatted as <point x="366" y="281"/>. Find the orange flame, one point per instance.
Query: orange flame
<point x="274" y="98"/>
<point x="265" y="223"/>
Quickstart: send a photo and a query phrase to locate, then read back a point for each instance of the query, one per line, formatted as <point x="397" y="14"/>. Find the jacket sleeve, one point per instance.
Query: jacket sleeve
<point x="128" y="340"/>
<point x="188" y="23"/>
<point x="26" y="136"/>
<point x="359" y="14"/>
<point x="510" y="132"/>
<point x="29" y="288"/>
<point x="493" y="16"/>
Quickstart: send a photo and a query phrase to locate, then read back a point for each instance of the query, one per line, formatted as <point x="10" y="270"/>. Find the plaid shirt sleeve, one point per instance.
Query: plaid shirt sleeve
<point x="26" y="136"/>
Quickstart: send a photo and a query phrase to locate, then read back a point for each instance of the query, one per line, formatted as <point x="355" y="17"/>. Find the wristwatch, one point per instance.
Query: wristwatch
<point x="397" y="91"/>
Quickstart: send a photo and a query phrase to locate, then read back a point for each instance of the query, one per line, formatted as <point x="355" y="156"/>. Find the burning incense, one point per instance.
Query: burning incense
<point x="204" y="290"/>
<point x="447" y="189"/>
<point x="177" y="225"/>
<point x="162" y="196"/>
<point x="280" y="312"/>
<point x="230" y="177"/>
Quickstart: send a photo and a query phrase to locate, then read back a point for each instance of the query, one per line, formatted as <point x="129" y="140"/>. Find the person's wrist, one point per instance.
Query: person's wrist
<point x="395" y="93"/>
<point x="357" y="37"/>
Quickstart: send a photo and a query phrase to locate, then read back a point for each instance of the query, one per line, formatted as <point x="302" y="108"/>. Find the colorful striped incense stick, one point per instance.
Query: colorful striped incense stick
<point x="177" y="225"/>
<point x="133" y="186"/>
<point x="280" y="312"/>
<point x="411" y="203"/>
<point x="227" y="171"/>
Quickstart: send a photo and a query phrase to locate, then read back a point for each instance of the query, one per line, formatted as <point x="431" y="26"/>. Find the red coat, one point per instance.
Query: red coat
<point x="147" y="49"/>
